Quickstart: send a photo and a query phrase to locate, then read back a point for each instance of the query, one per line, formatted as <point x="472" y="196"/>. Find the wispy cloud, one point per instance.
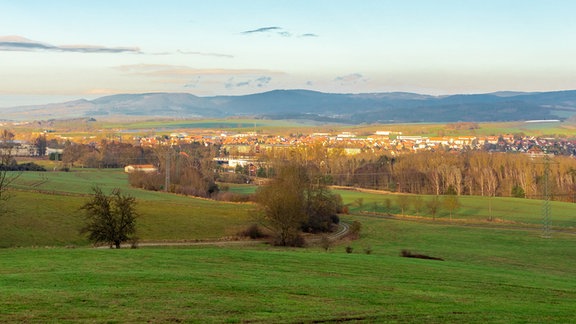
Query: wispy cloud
<point x="261" y="30"/>
<point x="166" y="70"/>
<point x="350" y="79"/>
<point x="195" y="78"/>
<point x="237" y="82"/>
<point x="276" y="31"/>
<point x="18" y="43"/>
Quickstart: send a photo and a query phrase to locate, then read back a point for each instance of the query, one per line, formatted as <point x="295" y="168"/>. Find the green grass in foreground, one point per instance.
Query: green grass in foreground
<point x="501" y="274"/>
<point x="488" y="275"/>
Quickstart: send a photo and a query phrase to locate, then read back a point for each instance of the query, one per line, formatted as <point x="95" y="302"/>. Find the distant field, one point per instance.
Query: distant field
<point x="216" y="124"/>
<point x="502" y="276"/>
<point x="444" y="129"/>
<point x="473" y="208"/>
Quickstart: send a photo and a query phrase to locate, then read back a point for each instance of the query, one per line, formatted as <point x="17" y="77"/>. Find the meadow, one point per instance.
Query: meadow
<point x="501" y="272"/>
<point x="500" y="276"/>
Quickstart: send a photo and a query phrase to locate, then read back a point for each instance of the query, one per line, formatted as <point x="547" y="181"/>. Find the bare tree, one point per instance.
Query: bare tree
<point x="433" y="206"/>
<point x="283" y="204"/>
<point x="451" y="203"/>
<point x="296" y="200"/>
<point x="403" y="201"/>
<point x="7" y="175"/>
<point x="110" y="219"/>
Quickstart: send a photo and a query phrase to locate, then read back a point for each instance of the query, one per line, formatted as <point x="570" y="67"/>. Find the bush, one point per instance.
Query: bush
<point x="253" y="231"/>
<point x="325" y="242"/>
<point x="294" y="240"/>
<point x="335" y="219"/>
<point x="349" y="249"/>
<point x="409" y="254"/>
<point x="355" y="229"/>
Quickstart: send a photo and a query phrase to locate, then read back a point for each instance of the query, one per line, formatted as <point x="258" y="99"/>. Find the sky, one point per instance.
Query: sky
<point x="57" y="50"/>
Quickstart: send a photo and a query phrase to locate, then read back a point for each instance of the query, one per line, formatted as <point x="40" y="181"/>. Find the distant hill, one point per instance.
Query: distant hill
<point x="304" y="104"/>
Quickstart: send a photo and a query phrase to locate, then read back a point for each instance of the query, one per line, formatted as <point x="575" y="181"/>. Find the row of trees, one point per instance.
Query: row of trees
<point x="187" y="169"/>
<point x="469" y="173"/>
<point x="192" y="170"/>
<point x="108" y="154"/>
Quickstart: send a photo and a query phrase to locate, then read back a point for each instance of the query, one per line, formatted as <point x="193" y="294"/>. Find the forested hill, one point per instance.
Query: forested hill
<point x="304" y="104"/>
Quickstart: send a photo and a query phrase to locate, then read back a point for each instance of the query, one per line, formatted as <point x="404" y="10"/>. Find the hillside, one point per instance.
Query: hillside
<point x="304" y="104"/>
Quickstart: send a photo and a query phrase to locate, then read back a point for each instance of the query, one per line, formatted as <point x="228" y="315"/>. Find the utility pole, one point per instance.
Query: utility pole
<point x="167" y="179"/>
<point x="546" y="202"/>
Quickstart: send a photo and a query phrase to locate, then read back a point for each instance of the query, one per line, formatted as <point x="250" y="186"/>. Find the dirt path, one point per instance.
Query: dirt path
<point x="342" y="231"/>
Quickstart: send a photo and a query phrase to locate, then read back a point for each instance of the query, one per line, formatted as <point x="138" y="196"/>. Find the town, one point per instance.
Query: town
<point x="236" y="144"/>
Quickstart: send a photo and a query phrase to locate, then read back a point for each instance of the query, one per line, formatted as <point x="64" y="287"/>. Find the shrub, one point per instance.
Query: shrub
<point x="368" y="249"/>
<point x="409" y="254"/>
<point x="349" y="249"/>
<point x="355" y="229"/>
<point x="253" y="231"/>
<point x="335" y="219"/>
<point x="293" y="239"/>
<point x="325" y="242"/>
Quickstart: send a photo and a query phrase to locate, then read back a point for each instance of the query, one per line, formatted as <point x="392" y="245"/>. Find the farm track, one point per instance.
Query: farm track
<point x="342" y="231"/>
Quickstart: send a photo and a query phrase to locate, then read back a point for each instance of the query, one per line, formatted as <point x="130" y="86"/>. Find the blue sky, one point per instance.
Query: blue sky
<point x="62" y="50"/>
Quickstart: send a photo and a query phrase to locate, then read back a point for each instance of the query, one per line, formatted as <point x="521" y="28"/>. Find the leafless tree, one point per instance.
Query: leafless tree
<point x="7" y="176"/>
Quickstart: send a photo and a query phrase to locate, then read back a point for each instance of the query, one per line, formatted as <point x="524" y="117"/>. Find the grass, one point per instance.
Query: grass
<point x="45" y="211"/>
<point x="473" y="209"/>
<point x="55" y="220"/>
<point x="488" y="275"/>
<point x="500" y="274"/>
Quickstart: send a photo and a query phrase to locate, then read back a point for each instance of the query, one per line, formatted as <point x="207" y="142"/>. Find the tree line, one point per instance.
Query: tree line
<point x="443" y="172"/>
<point x="193" y="171"/>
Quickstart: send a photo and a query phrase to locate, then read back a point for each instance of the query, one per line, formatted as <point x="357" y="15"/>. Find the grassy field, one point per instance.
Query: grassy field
<point x="503" y="273"/>
<point x="475" y="209"/>
<point x="501" y="276"/>
<point x="45" y="211"/>
<point x="504" y="211"/>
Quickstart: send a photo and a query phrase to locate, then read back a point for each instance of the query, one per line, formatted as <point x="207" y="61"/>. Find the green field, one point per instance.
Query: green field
<point x="45" y="211"/>
<point x="503" y="276"/>
<point x="497" y="272"/>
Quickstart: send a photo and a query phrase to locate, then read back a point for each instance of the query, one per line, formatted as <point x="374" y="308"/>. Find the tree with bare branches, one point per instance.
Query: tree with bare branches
<point x="7" y="176"/>
<point x="110" y="219"/>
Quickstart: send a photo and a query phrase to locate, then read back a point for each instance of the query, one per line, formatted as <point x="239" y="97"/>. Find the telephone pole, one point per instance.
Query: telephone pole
<point x="167" y="179"/>
<point x="546" y="202"/>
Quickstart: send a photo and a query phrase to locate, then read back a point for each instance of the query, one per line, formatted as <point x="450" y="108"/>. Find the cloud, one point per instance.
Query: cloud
<point x="195" y="78"/>
<point x="353" y="78"/>
<point x="236" y="82"/>
<point x="18" y="43"/>
<point x="278" y="31"/>
<point x="206" y="54"/>
<point x="262" y="81"/>
<point x="165" y="70"/>
<point x="261" y="30"/>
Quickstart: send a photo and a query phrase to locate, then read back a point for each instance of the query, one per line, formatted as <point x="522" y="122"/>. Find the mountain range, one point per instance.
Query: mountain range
<point x="304" y="104"/>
